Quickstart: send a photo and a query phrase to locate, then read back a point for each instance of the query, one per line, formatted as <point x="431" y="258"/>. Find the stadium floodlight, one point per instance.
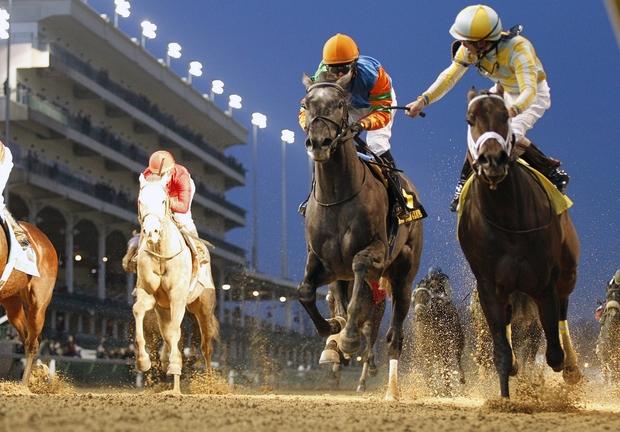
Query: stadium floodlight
<point x="217" y="87"/>
<point x="287" y="137"/>
<point x="226" y="287"/>
<point x="4" y="24"/>
<point x="255" y="293"/>
<point x="282" y="299"/>
<point x="174" y="52"/>
<point x="259" y="120"/>
<point x="149" y="31"/>
<point x="195" y="69"/>
<point x="234" y="102"/>
<point x="121" y="9"/>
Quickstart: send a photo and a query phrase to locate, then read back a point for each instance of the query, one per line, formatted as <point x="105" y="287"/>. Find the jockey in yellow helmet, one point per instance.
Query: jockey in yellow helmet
<point x="508" y="59"/>
<point x="372" y="94"/>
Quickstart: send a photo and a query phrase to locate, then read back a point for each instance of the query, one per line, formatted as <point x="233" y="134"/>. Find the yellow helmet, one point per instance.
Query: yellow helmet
<point x="340" y="49"/>
<point x="476" y="23"/>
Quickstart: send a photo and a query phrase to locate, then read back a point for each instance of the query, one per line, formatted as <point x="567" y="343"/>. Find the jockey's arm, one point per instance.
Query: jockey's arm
<point x="6" y="165"/>
<point x="448" y="78"/>
<point x="180" y="200"/>
<point x="523" y="61"/>
<point x="380" y="98"/>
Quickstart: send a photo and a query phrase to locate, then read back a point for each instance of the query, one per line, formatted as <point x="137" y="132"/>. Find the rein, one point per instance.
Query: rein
<point x="342" y="201"/>
<point x="152" y="252"/>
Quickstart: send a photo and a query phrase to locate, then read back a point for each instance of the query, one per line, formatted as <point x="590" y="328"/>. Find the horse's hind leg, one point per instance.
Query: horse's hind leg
<point x="17" y="317"/>
<point x="144" y="302"/>
<point x="367" y="332"/>
<point x="571" y="372"/>
<point x="203" y="309"/>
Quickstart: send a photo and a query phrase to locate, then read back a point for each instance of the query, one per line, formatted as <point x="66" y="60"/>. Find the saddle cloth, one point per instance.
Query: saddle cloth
<point x="19" y="259"/>
<point x="559" y="201"/>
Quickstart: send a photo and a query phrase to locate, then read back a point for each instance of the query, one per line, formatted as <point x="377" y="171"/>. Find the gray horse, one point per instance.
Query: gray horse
<point x="438" y="339"/>
<point x="346" y="226"/>
<point x="608" y="344"/>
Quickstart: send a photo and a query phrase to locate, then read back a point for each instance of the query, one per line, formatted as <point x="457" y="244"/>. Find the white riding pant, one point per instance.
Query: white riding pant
<point x="6" y="165"/>
<point x="525" y="121"/>
<point x="378" y="140"/>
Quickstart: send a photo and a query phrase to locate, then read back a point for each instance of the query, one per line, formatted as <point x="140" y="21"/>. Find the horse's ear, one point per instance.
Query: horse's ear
<point x="142" y="180"/>
<point x="307" y="81"/>
<point x="499" y="89"/>
<point x="344" y="80"/>
<point x="472" y="93"/>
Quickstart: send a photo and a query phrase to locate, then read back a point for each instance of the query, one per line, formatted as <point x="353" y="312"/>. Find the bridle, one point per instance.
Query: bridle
<point x="167" y="215"/>
<point x="342" y="128"/>
<point x="343" y="133"/>
<point x="507" y="142"/>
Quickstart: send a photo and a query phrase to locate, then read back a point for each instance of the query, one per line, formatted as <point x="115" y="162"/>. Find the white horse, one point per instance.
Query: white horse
<point x="167" y="282"/>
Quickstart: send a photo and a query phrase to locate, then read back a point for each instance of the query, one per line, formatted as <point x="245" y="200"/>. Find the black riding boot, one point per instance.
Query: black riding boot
<point x="402" y="210"/>
<point x="302" y="207"/>
<point x="549" y="167"/>
<point x="466" y="171"/>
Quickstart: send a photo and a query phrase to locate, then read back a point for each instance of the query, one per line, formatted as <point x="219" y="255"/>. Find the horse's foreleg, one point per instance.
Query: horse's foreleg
<point x="315" y="276"/>
<point x="548" y="310"/>
<point x="170" y="325"/>
<point x="571" y="372"/>
<point x="496" y="316"/>
<point x="368" y="262"/>
<point x="17" y="317"/>
<point x="144" y="302"/>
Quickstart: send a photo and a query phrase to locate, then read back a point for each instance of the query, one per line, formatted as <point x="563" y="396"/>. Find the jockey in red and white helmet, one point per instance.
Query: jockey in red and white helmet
<point x="6" y="166"/>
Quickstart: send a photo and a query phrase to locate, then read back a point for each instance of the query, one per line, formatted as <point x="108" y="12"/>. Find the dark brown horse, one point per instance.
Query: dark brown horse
<point x="25" y="298"/>
<point x="346" y="226"/>
<point x="608" y="344"/>
<point x="513" y="240"/>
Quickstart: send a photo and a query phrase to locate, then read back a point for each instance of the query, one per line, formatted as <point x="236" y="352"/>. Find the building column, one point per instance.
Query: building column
<point x="92" y="325"/>
<point x="67" y="321"/>
<point x="115" y="329"/>
<point x="288" y="307"/>
<point x="242" y="305"/>
<point x="101" y="288"/>
<point x="69" y="253"/>
<point x="80" y="324"/>
<point x="53" y="319"/>
<point x="104" y="327"/>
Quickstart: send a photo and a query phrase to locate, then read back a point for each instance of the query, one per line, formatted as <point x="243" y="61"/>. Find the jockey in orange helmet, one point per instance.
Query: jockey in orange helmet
<point x="509" y="60"/>
<point x="371" y="96"/>
<point x="181" y="190"/>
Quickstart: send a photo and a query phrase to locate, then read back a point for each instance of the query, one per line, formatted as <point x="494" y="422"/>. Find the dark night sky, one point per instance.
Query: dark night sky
<point x="261" y="48"/>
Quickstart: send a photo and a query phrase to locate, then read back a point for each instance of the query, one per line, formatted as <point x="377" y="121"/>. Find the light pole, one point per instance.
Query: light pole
<point x="259" y="121"/>
<point x="287" y="137"/>
<point x="5" y="33"/>
<point x="234" y="102"/>
<point x="217" y="87"/>
<point x="121" y="9"/>
<point x="149" y="31"/>
<point x="195" y="69"/>
<point x="174" y="52"/>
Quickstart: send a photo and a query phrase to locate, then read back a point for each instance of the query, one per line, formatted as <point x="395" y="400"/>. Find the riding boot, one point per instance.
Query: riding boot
<point x="402" y="208"/>
<point x="20" y="234"/>
<point x="548" y="167"/>
<point x="466" y="171"/>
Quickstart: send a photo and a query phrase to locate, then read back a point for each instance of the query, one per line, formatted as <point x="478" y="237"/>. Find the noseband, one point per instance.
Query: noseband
<point x="506" y="142"/>
<point x="167" y="214"/>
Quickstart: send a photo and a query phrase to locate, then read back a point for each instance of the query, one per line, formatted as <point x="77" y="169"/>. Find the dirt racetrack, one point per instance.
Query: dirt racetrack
<point x="311" y="412"/>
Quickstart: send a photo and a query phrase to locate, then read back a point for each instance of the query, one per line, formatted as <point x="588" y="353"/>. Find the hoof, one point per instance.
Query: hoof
<point x="515" y="369"/>
<point x="361" y="388"/>
<point x="329" y="356"/>
<point x="172" y="392"/>
<point x="143" y="364"/>
<point x="572" y="375"/>
<point x="556" y="362"/>
<point x="173" y="370"/>
<point x="337" y="324"/>
<point x="389" y="397"/>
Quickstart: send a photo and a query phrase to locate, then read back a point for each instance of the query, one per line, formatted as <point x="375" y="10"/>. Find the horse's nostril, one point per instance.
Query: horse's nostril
<point x="483" y="160"/>
<point x="326" y="142"/>
<point x="503" y="158"/>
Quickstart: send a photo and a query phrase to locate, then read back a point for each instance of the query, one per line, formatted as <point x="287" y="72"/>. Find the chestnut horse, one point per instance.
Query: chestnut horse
<point x="514" y="240"/>
<point x="346" y="226"/>
<point x="26" y="298"/>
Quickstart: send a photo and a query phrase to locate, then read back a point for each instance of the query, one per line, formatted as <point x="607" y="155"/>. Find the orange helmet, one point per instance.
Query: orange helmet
<point x="340" y="49"/>
<point x="161" y="162"/>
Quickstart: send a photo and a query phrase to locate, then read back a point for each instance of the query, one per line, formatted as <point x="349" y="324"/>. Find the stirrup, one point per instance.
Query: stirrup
<point x="21" y="237"/>
<point x="302" y="208"/>
<point x="559" y="178"/>
<point x="457" y="196"/>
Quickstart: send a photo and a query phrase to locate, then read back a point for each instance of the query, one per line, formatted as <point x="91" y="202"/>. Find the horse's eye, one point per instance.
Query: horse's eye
<point x="340" y="105"/>
<point x="469" y="122"/>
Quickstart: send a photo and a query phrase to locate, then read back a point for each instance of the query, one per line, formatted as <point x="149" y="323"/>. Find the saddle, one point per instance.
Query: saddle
<point x="21" y="256"/>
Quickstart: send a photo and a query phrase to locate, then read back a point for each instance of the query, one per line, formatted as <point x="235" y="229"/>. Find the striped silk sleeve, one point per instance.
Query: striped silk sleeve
<point x="380" y="98"/>
<point x="523" y="60"/>
<point x="301" y="117"/>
